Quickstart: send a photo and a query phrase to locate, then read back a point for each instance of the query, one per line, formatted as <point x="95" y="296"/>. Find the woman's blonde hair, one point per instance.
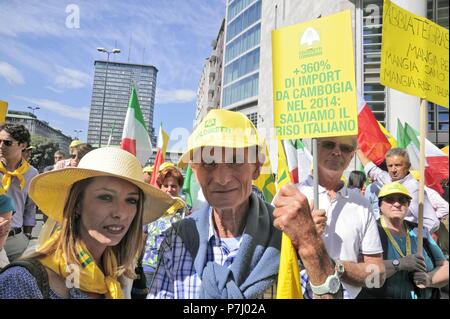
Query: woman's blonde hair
<point x="126" y="251"/>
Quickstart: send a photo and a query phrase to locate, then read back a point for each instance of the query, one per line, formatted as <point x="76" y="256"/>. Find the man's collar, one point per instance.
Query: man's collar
<point x="406" y="178"/>
<point x="343" y="191"/>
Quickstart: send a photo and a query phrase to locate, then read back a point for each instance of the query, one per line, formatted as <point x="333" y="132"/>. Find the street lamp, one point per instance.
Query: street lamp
<point x="114" y="51"/>
<point x="33" y="108"/>
<point x="77" y="132"/>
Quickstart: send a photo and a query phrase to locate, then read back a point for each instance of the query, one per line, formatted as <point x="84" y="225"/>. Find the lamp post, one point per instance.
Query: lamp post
<point x="76" y="133"/>
<point x="33" y="108"/>
<point x="114" y="51"/>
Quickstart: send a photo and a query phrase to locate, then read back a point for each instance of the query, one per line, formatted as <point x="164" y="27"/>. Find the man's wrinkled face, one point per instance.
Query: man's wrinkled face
<point x="397" y="167"/>
<point x="226" y="182"/>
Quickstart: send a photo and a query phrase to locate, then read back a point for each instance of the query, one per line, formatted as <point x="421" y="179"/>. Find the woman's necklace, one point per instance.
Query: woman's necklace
<point x="394" y="242"/>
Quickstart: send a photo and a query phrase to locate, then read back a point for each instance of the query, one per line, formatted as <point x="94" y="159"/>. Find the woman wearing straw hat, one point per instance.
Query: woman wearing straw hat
<point x="406" y="270"/>
<point x="101" y="206"/>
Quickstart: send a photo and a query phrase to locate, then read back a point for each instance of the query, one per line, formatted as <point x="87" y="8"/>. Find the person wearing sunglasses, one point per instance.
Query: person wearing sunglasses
<point x="16" y="174"/>
<point x="344" y="220"/>
<point x="409" y="275"/>
<point x="399" y="165"/>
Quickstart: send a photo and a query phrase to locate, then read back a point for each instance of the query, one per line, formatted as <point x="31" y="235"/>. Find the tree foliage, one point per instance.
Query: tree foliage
<point x="42" y="155"/>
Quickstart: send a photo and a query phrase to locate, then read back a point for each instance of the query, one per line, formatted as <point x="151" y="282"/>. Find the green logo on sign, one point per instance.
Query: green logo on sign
<point x="210" y="123"/>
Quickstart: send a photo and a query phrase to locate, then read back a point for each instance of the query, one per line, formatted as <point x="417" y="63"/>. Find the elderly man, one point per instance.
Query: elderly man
<point x="346" y="221"/>
<point x="230" y="248"/>
<point x="16" y="175"/>
<point x="398" y="164"/>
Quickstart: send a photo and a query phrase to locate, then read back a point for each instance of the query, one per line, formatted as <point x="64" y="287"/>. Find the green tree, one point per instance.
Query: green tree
<point x="42" y="155"/>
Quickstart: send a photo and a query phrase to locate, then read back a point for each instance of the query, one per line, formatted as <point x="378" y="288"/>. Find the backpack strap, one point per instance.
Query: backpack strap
<point x="187" y="230"/>
<point x="37" y="270"/>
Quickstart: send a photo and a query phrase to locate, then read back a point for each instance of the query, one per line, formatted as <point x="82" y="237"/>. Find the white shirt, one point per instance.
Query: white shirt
<point x="351" y="226"/>
<point x="439" y="204"/>
<point x="430" y="220"/>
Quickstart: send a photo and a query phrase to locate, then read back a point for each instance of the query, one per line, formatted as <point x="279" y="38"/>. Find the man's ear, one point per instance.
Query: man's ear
<point x="259" y="164"/>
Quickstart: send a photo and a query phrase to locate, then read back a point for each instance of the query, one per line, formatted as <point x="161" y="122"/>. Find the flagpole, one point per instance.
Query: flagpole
<point x="315" y="173"/>
<point x="112" y="130"/>
<point x="423" y="132"/>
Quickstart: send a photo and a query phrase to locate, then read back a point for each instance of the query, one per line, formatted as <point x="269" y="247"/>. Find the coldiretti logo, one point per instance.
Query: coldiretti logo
<point x="210" y="123"/>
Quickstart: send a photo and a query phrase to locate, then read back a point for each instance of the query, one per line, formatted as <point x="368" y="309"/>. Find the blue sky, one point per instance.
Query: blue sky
<point x="47" y="54"/>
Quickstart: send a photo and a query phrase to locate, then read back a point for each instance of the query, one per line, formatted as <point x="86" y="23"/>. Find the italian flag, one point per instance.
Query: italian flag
<point x="299" y="160"/>
<point x="163" y="139"/>
<point x="436" y="165"/>
<point x="371" y="139"/>
<point x="192" y="191"/>
<point x="135" y="138"/>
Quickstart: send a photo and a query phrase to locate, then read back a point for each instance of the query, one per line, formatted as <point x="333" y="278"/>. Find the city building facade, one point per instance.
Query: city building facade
<point x="210" y="84"/>
<point x="241" y="63"/>
<point x="39" y="127"/>
<point x="111" y="94"/>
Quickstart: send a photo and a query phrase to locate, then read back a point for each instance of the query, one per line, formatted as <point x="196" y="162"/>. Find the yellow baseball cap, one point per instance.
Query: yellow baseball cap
<point x="148" y="169"/>
<point x="222" y="128"/>
<point x="165" y="165"/>
<point x="75" y="143"/>
<point x="393" y="188"/>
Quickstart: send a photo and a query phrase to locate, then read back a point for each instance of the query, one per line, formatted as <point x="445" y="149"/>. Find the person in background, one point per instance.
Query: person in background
<point x="398" y="165"/>
<point x="406" y="270"/>
<point x="345" y="221"/>
<point x="371" y="194"/>
<point x="16" y="175"/>
<point x="147" y="171"/>
<point x="58" y="156"/>
<point x="101" y="205"/>
<point x="27" y="152"/>
<point x="357" y="180"/>
<point x="170" y="181"/>
<point x="76" y="154"/>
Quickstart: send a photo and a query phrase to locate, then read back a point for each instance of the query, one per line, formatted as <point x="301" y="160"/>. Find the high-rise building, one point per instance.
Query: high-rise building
<point x="241" y="57"/>
<point x="210" y="84"/>
<point x="111" y="92"/>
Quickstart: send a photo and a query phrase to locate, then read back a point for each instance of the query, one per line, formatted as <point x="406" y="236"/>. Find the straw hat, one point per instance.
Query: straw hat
<point x="50" y="190"/>
<point x="222" y="128"/>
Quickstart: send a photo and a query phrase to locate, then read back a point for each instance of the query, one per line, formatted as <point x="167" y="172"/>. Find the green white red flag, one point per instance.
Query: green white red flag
<point x="135" y="137"/>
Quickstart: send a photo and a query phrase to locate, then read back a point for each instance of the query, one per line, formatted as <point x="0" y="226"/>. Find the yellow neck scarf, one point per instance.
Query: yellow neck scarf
<point x="179" y="204"/>
<point x="18" y="172"/>
<point x="91" y="277"/>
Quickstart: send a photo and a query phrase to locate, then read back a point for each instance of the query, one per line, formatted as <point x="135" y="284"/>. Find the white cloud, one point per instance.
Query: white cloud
<point x="174" y="96"/>
<point x="77" y="113"/>
<point x="11" y="74"/>
<point x="70" y="78"/>
<point x="51" y="88"/>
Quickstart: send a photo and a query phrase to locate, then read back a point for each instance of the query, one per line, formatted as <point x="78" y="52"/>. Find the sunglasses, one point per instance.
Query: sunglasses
<point x="391" y="199"/>
<point x="330" y="145"/>
<point x="73" y="155"/>
<point x="7" y="142"/>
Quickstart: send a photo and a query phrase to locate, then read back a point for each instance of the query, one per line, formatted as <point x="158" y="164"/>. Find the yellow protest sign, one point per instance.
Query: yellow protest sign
<point x="414" y="55"/>
<point x="314" y="79"/>
<point x="3" y="111"/>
